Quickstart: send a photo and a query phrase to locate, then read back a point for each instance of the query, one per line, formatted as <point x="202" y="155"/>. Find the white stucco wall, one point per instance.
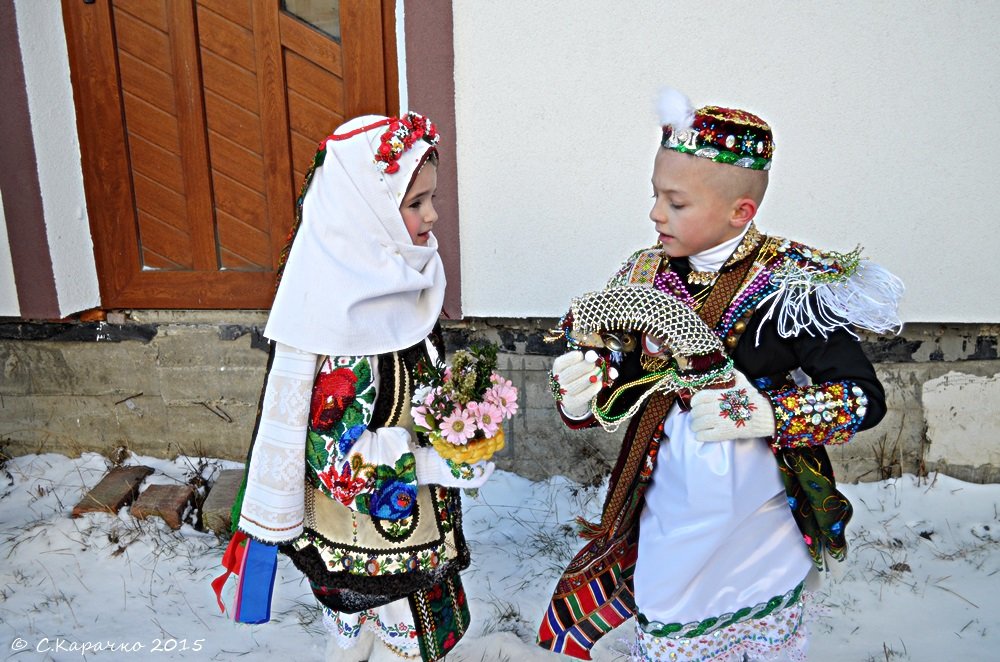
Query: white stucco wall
<point x="881" y="113"/>
<point x="57" y="150"/>
<point x="8" y="291"/>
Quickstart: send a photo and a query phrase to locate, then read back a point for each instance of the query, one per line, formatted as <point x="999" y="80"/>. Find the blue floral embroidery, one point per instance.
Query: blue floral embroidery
<point x="347" y="439"/>
<point x="393" y="501"/>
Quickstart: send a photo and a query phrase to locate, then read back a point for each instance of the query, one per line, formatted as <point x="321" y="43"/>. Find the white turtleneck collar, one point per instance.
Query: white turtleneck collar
<point x="713" y="258"/>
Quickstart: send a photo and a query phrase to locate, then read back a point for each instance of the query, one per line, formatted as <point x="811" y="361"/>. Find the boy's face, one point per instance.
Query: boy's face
<point x="691" y="210"/>
<point x="417" y="208"/>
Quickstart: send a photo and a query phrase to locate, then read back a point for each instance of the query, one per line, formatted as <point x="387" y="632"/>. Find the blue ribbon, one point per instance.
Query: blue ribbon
<point x="257" y="583"/>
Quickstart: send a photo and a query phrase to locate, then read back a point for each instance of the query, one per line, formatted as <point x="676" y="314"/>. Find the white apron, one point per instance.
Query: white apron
<point x="716" y="533"/>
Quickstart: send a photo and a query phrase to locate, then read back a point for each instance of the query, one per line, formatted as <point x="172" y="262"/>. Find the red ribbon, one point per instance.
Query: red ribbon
<point x="232" y="560"/>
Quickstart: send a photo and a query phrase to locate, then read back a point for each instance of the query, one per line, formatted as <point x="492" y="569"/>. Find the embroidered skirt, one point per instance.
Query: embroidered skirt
<point x="424" y="626"/>
<point x="778" y="635"/>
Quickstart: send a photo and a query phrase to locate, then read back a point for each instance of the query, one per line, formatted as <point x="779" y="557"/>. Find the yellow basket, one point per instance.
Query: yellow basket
<point x="474" y="451"/>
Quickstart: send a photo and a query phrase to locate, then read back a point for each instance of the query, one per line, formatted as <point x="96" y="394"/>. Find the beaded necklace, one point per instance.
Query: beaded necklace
<point x="670" y="282"/>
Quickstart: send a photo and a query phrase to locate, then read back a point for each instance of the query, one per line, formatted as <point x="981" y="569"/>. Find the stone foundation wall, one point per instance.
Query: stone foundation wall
<point x="163" y="383"/>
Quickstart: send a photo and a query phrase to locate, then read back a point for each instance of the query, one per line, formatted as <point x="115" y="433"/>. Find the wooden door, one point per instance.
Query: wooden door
<point x="198" y="119"/>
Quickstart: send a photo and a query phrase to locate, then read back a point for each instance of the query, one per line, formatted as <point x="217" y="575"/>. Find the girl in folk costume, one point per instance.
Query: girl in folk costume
<point x="730" y="353"/>
<point x="336" y="478"/>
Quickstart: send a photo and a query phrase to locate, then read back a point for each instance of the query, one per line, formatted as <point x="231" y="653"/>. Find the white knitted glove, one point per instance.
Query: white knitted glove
<point x="432" y="469"/>
<point x="573" y="374"/>
<point x="737" y="412"/>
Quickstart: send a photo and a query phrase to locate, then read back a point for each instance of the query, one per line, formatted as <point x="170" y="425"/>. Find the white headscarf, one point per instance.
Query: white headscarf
<point x="354" y="283"/>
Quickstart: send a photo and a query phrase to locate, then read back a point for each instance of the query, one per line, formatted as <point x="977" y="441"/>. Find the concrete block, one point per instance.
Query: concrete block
<point x="221" y="429"/>
<point x="188" y="346"/>
<point x="89" y="368"/>
<point x="17" y="417"/>
<point x="963" y="423"/>
<point x="118" y="488"/>
<point x="76" y="423"/>
<point x="217" y="509"/>
<point x="15" y="373"/>
<point x="168" y="502"/>
<point x="200" y="384"/>
<point x="202" y="347"/>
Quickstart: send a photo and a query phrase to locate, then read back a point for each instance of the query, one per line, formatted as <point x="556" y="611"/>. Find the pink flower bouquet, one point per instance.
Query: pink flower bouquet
<point x="461" y="408"/>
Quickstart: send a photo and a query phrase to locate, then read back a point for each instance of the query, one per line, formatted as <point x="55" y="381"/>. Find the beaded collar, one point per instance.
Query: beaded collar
<point x="751" y="240"/>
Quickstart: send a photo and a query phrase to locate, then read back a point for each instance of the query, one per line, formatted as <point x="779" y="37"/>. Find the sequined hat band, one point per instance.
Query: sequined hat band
<point x="724" y="135"/>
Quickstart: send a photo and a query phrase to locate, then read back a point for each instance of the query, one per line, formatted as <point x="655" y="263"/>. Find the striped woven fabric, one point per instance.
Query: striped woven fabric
<point x="574" y="622"/>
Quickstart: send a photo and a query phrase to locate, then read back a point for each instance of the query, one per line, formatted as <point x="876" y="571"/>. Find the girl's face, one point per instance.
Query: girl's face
<point x="417" y="207"/>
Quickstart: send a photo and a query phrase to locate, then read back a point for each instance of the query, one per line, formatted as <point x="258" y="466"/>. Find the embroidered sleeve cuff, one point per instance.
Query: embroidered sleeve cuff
<point x="822" y="414"/>
<point x="268" y="535"/>
<point x="432" y="469"/>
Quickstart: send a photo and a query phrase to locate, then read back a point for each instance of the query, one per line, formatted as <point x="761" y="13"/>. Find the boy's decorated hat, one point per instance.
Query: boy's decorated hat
<point x="724" y="135"/>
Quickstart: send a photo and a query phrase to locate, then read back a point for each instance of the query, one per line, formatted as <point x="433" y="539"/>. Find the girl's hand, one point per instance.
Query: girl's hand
<point x="432" y="469"/>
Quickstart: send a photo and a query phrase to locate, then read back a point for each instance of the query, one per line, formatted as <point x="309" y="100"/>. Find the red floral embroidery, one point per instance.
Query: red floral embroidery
<point x="332" y="393"/>
<point x="343" y="487"/>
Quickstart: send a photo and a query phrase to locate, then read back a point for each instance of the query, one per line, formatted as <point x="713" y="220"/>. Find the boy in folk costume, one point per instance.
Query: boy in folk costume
<point x="336" y="478"/>
<point x="721" y="502"/>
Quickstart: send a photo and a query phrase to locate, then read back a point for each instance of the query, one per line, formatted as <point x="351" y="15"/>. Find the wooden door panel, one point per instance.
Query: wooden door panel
<point x="239" y="12"/>
<point x="233" y="122"/>
<point x="303" y="150"/>
<point x="230" y="81"/>
<point x="238" y="239"/>
<point x="155" y="125"/>
<point x="240" y="201"/>
<point x="155" y="162"/>
<point x="152" y="85"/>
<point x="236" y="162"/>
<point x="154" y="198"/>
<point x="309" y="118"/>
<point x="161" y="241"/>
<point x="153" y="12"/>
<point x="198" y="119"/>
<point x="231" y="40"/>
<point x="142" y="40"/>
<point x="313" y="82"/>
<point x="298" y="37"/>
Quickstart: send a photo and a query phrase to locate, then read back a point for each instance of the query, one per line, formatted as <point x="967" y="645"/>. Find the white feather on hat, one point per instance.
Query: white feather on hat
<point x="675" y="110"/>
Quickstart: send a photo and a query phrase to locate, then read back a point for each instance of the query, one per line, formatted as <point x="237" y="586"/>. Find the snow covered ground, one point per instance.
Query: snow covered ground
<point x="923" y="581"/>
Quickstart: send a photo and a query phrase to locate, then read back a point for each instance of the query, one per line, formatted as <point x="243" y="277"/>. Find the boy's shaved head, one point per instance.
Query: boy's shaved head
<point x="733" y="182"/>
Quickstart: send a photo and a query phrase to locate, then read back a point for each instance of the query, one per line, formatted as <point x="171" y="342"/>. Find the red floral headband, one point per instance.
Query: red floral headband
<point x="400" y="136"/>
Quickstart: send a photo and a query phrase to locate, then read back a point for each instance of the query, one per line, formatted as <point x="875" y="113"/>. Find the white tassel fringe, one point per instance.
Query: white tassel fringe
<point x="868" y="299"/>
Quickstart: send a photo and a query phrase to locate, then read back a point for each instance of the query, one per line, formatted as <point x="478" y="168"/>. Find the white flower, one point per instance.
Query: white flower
<point x="420" y="394"/>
